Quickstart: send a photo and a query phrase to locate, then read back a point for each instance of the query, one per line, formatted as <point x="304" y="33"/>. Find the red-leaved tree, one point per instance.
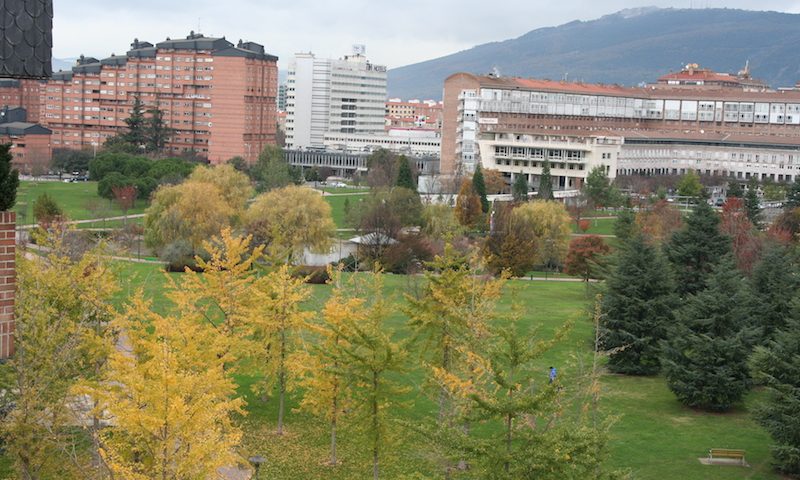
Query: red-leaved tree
<point x="125" y="197"/>
<point x="584" y="255"/>
<point x="744" y="240"/>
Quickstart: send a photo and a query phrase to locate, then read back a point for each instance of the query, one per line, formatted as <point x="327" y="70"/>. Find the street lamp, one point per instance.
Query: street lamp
<point x="94" y="147"/>
<point x="256" y="461"/>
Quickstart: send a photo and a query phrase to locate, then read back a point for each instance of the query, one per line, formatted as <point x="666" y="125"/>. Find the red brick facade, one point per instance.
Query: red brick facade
<point x="8" y="282"/>
<point x="219" y="99"/>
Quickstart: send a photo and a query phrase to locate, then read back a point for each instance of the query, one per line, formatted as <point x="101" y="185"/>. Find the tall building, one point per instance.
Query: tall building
<point x="514" y="124"/>
<point x="21" y="93"/>
<point x="343" y="96"/>
<point x="219" y="98"/>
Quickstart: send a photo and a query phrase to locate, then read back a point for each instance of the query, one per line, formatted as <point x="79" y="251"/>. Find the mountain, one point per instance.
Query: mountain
<point x="627" y="48"/>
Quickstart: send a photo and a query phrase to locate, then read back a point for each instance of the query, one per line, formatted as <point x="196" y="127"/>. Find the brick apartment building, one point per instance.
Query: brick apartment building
<point x="23" y="93"/>
<point x="425" y="115"/>
<point x="735" y="128"/>
<point x="219" y="98"/>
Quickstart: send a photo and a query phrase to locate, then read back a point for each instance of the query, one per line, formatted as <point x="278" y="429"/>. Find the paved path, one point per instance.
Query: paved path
<point x="90" y="220"/>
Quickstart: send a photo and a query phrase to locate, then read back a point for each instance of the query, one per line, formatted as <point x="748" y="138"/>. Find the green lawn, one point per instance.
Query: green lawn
<point x="337" y="207"/>
<point x="75" y="198"/>
<point x="598" y="226"/>
<point x="654" y="436"/>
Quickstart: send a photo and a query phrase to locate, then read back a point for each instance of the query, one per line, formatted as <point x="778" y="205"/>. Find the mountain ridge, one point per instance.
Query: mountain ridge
<point x="627" y="48"/>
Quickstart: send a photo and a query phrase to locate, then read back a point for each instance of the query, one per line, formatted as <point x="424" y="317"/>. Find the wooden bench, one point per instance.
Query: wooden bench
<point x="716" y="453"/>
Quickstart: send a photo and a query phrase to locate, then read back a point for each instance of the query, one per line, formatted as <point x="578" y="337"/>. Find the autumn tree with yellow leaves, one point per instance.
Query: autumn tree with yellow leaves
<point x="327" y="393"/>
<point x="370" y="359"/>
<point x="278" y="327"/>
<point x="223" y="295"/>
<point x="62" y="339"/>
<point x="168" y="398"/>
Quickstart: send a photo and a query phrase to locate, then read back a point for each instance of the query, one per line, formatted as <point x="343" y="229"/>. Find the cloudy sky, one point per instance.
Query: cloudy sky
<point x="395" y="32"/>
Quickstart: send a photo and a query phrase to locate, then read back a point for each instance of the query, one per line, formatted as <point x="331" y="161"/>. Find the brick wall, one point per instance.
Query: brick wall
<point x="8" y="279"/>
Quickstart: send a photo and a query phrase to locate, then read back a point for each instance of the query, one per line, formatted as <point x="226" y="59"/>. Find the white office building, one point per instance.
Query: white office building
<point x="341" y="96"/>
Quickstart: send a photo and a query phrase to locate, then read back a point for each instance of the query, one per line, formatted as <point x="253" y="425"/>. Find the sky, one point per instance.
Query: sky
<point x="396" y="33"/>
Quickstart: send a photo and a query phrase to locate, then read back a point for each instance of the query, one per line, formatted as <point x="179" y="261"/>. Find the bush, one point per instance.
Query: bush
<point x="105" y="187"/>
<point x="178" y="256"/>
<point x="408" y="254"/>
<point x="348" y="263"/>
<point x="314" y="275"/>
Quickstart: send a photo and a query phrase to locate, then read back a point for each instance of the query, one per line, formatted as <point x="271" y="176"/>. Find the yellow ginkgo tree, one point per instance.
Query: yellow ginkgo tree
<point x="168" y="399"/>
<point x="327" y="394"/>
<point x="278" y="327"/>
<point x="223" y="295"/>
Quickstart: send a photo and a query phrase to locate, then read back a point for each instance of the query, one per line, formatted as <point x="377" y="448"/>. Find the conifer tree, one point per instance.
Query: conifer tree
<point x="637" y="308"/>
<point x="705" y="356"/>
<point x="157" y="133"/>
<point x="734" y="189"/>
<point x="519" y="188"/>
<point x="546" y="182"/>
<point x="479" y="185"/>
<point x="9" y="179"/>
<point x="752" y="204"/>
<point x="694" y="250"/>
<point x="792" y="197"/>
<point x="405" y="177"/>
<point x="777" y="366"/>
<point x="136" y="135"/>
<point x="774" y="284"/>
<point x="625" y="225"/>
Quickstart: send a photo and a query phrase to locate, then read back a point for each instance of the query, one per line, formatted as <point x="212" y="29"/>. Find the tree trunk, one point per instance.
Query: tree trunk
<point x="282" y="382"/>
<point x="333" y="421"/>
<point x="375" y="430"/>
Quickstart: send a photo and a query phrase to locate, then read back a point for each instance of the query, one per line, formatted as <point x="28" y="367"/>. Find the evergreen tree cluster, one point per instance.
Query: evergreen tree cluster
<point x="690" y="314"/>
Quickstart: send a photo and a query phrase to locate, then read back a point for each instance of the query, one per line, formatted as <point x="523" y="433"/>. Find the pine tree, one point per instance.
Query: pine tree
<point x="777" y="366"/>
<point x="405" y="177"/>
<point x="546" y="182"/>
<point x="774" y="283"/>
<point x="625" y="225"/>
<point x="734" y="189"/>
<point x="9" y="179"/>
<point x="637" y="309"/>
<point x="519" y="189"/>
<point x="792" y="197"/>
<point x="136" y="136"/>
<point x="157" y="133"/>
<point x="479" y="185"/>
<point x="752" y="204"/>
<point x="705" y="356"/>
<point x="694" y="250"/>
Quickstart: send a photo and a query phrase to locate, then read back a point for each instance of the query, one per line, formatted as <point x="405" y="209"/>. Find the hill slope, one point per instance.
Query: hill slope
<point x="627" y="47"/>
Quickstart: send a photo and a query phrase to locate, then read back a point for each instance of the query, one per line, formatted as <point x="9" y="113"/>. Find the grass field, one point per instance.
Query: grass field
<point x="337" y="207"/>
<point x="597" y="226"/>
<point x="74" y="198"/>
<point x="654" y="436"/>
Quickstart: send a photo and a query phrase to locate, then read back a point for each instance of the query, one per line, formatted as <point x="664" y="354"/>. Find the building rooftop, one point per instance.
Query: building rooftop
<point x="23" y="128"/>
<point x="531" y="84"/>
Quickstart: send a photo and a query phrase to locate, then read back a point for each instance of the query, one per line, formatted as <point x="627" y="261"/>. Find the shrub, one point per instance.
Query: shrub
<point x="312" y="274"/>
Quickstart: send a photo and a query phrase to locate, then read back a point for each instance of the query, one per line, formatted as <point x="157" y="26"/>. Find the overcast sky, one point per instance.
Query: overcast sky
<point x="396" y="33"/>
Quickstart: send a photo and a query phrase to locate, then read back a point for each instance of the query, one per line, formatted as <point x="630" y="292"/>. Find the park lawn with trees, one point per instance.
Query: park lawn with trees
<point x="76" y="199"/>
<point x="654" y="435"/>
